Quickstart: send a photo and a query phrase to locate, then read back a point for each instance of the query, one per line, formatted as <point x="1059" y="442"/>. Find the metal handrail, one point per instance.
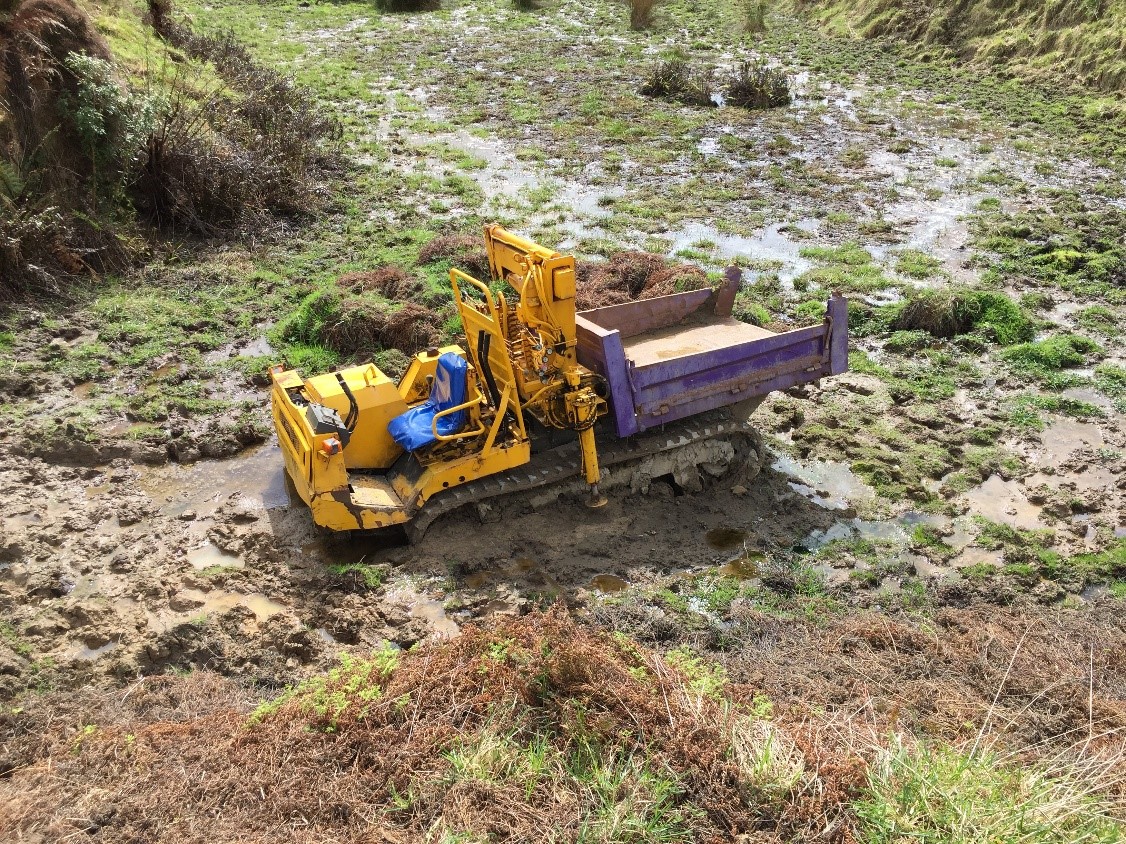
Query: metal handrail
<point x="480" y="429"/>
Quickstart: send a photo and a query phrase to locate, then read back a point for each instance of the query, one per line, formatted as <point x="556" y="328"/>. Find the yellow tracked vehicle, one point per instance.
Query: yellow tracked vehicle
<point x="539" y="394"/>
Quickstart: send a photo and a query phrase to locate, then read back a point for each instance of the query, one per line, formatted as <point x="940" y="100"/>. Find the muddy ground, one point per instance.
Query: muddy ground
<point x="147" y="525"/>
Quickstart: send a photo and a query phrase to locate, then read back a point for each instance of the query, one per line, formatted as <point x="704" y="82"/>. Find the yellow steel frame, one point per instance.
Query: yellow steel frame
<point x="544" y="281"/>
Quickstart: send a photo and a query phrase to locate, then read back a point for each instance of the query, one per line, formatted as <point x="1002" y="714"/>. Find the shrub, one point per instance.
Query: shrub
<point x="641" y="13"/>
<point x="250" y="147"/>
<point x="754" y="16"/>
<point x="756" y="85"/>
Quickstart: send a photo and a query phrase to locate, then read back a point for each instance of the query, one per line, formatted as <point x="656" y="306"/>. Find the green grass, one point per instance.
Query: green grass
<point x="1111" y="379"/>
<point x="350" y="687"/>
<point x="624" y="796"/>
<point x="373" y="574"/>
<point x="704" y="678"/>
<point x="1022" y="409"/>
<point x="939" y="794"/>
<point x="916" y="264"/>
<point x="1043" y="359"/>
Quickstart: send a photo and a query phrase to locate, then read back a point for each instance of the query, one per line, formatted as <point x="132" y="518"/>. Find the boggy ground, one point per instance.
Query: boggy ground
<point x="966" y="475"/>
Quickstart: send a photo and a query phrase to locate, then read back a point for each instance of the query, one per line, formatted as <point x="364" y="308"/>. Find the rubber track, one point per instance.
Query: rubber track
<point x="563" y="463"/>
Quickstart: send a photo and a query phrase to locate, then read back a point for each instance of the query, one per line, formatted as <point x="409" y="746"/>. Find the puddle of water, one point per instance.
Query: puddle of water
<point x="435" y="615"/>
<point x="211" y="555"/>
<point x="97" y="585"/>
<point x="1094" y="592"/>
<point x="976" y="556"/>
<point x="90" y="654"/>
<point x="1091" y="478"/>
<point x="896" y="530"/>
<point x="926" y="569"/>
<point x="164" y="371"/>
<point x="519" y="568"/>
<point x="218" y="601"/>
<point x="504" y="179"/>
<point x="1065" y="436"/>
<point x="258" y="474"/>
<point x="743" y="568"/>
<point x="1090" y="396"/>
<point x="607" y="583"/>
<point x="325" y="636"/>
<point x="1004" y="502"/>
<point x="830" y="485"/>
<point x="82" y="391"/>
<point x="259" y="347"/>
<point x="725" y="538"/>
<point x="1120" y="532"/>
<point x="773" y="244"/>
<point x="708" y="146"/>
<point x="418" y="605"/>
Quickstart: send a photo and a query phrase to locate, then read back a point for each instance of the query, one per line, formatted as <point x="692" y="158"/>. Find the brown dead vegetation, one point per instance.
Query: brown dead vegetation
<point x="373" y="760"/>
<point x="40" y="155"/>
<point x="1045" y="679"/>
<point x="370" y="756"/>
<point x="364" y="327"/>
<point x="465" y="252"/>
<point x="390" y="282"/>
<point x="627" y="276"/>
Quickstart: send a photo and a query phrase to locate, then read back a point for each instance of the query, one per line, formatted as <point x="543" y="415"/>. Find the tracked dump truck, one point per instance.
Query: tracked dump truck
<point x="540" y="395"/>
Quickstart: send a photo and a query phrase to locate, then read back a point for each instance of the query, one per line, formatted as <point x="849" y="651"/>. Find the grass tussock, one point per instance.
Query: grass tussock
<point x="1061" y="351"/>
<point x="940" y="794"/>
<point x="754" y="17"/>
<point x="358" y="325"/>
<point x="465" y="252"/>
<point x="950" y="312"/>
<point x="406" y="6"/>
<point x="677" y="80"/>
<point x="392" y="283"/>
<point x="626" y="276"/>
<point x="750" y="85"/>
<point x="756" y="85"/>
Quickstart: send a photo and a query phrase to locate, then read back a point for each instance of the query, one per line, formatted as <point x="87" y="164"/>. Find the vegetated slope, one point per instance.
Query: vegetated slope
<point x="1080" y="40"/>
<point x="539" y="729"/>
<point x="117" y="124"/>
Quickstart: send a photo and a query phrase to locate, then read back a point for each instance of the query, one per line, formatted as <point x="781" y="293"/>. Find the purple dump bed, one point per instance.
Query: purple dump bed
<point x="676" y="356"/>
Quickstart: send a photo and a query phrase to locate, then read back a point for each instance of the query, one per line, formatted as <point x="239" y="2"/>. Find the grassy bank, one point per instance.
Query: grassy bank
<point x="1045" y="40"/>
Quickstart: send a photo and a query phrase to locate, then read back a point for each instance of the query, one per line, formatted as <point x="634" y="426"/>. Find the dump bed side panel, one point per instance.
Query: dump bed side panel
<point x="679" y="388"/>
<point x="658" y="391"/>
<point x="600" y="350"/>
